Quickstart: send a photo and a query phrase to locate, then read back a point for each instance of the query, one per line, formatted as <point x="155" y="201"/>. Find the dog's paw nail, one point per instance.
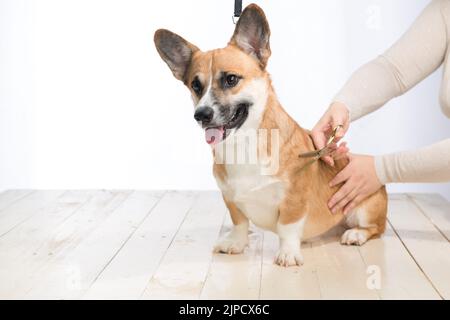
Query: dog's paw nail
<point x="288" y="258"/>
<point x="354" y="237"/>
<point x="231" y="245"/>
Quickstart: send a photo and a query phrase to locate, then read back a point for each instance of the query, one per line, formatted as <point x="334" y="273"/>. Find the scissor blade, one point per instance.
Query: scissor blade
<point x="310" y="154"/>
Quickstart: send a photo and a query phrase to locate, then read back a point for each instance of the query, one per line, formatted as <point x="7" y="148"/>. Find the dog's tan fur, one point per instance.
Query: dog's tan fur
<point x="306" y="190"/>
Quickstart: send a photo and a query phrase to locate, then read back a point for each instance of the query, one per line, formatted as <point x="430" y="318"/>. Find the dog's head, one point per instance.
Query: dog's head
<point x="229" y="85"/>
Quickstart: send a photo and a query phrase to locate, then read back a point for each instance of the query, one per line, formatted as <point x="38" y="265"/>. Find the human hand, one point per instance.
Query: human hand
<point x="360" y="181"/>
<point x="337" y="114"/>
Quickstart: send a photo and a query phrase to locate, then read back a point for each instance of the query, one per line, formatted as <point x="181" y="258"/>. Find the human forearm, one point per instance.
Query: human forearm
<point x="428" y="164"/>
<point x="370" y="87"/>
<point x="412" y="58"/>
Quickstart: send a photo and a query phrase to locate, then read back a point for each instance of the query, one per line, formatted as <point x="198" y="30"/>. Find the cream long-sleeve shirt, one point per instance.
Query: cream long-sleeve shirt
<point x="420" y="51"/>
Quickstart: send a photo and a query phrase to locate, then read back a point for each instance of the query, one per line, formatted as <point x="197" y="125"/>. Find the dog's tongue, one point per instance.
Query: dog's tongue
<point x="214" y="135"/>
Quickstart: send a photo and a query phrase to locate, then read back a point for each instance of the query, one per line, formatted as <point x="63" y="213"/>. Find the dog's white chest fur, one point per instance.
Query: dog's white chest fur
<point x="257" y="196"/>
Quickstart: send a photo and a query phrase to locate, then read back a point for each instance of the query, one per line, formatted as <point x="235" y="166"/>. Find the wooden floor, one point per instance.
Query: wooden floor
<point x="158" y="245"/>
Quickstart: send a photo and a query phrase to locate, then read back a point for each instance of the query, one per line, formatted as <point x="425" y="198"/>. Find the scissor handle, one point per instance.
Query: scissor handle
<point x="333" y="135"/>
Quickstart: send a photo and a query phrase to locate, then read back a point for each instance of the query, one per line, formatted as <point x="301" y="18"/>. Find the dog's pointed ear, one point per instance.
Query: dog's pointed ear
<point x="252" y="34"/>
<point x="175" y="51"/>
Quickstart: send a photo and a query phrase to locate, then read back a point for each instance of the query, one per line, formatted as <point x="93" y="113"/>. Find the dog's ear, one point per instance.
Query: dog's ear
<point x="175" y="51"/>
<point x="252" y="34"/>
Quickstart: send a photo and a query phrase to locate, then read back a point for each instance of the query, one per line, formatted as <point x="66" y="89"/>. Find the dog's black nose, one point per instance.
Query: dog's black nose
<point x="204" y="115"/>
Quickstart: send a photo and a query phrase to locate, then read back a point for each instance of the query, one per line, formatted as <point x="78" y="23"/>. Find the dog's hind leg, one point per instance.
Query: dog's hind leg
<point x="367" y="220"/>
<point x="358" y="236"/>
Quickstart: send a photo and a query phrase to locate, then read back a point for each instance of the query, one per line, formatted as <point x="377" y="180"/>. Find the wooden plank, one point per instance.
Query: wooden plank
<point x="17" y="248"/>
<point x="28" y="236"/>
<point x="235" y="276"/>
<point x="436" y="208"/>
<point x="72" y="232"/>
<point x="341" y="271"/>
<point x="63" y="239"/>
<point x="10" y="196"/>
<point x="399" y="275"/>
<point x="429" y="248"/>
<point x="73" y="273"/>
<point x="63" y="243"/>
<point x="277" y="282"/>
<point x="185" y="265"/>
<point x="127" y="275"/>
<point x="18" y="212"/>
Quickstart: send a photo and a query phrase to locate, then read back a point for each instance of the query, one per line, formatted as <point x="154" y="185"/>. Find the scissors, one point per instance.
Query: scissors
<point x="325" y="151"/>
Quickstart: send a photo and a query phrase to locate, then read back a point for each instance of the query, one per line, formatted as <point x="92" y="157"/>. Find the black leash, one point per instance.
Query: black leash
<point x="237" y="10"/>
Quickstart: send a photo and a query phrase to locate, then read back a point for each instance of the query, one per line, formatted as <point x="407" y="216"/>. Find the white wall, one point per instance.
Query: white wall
<point x="86" y="102"/>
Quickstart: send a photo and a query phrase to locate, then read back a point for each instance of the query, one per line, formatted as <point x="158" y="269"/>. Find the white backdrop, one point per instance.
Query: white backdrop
<point x="86" y="102"/>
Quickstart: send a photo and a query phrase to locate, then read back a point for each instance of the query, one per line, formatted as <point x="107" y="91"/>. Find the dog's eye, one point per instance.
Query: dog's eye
<point x="231" y="80"/>
<point x="196" y="85"/>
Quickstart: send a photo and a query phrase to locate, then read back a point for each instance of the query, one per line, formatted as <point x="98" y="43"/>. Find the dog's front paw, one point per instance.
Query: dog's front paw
<point x="231" y="244"/>
<point x="287" y="257"/>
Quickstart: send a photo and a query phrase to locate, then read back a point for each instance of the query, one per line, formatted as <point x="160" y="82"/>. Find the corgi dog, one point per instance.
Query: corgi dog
<point x="233" y="95"/>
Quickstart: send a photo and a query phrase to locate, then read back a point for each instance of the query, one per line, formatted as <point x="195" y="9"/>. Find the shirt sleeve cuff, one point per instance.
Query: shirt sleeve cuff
<point x="380" y="170"/>
<point x="342" y="101"/>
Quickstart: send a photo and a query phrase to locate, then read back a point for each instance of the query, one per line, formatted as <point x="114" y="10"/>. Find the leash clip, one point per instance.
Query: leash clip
<point x="237" y="10"/>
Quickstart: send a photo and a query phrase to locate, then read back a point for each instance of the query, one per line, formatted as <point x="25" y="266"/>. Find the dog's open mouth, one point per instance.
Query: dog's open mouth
<point x="215" y="135"/>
